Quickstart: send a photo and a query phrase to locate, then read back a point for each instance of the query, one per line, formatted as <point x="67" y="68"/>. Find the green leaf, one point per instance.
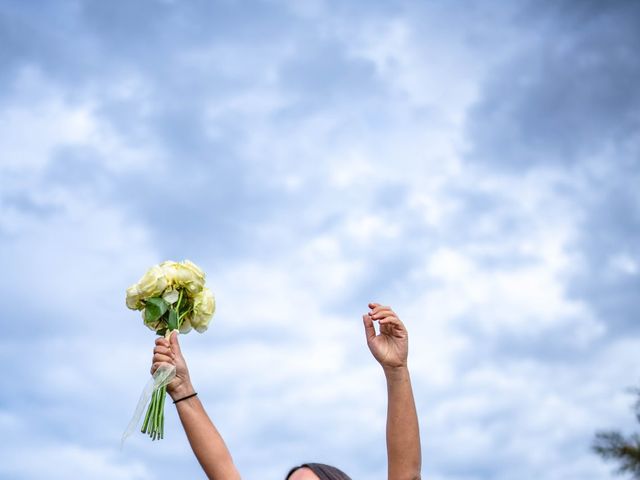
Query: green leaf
<point x="154" y="308"/>
<point x="162" y="331"/>
<point x="173" y="320"/>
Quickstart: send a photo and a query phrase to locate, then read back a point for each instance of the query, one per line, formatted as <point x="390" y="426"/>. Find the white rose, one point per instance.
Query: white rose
<point x="204" y="306"/>
<point x="169" y="269"/>
<point x="134" y="300"/>
<point x="153" y="283"/>
<point x="195" y="269"/>
<point x="189" y="276"/>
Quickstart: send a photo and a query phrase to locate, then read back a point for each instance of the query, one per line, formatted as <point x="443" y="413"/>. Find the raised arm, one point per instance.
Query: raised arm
<point x="206" y="442"/>
<point x="390" y="348"/>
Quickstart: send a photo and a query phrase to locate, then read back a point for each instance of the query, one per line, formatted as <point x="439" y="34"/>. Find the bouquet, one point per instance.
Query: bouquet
<point x="171" y="296"/>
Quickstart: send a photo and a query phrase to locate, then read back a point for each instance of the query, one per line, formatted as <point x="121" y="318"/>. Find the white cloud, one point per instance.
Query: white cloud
<point x="40" y="121"/>
<point x="373" y="195"/>
<point x="56" y="461"/>
<point x="425" y="72"/>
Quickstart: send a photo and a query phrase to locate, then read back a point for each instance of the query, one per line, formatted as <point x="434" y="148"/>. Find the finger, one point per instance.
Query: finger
<point x="378" y="306"/>
<point x="392" y="323"/>
<point x="369" y="329"/>
<point x="390" y="319"/>
<point x="158" y="357"/>
<point x="382" y="311"/>
<point x="163" y="350"/>
<point x="157" y="365"/>
<point x="175" y="345"/>
<point x="162" y="341"/>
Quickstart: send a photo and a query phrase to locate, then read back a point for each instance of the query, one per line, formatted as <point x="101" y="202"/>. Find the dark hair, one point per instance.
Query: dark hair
<point x="324" y="472"/>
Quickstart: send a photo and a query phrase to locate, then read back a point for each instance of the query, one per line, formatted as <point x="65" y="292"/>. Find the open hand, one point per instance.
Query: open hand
<point x="391" y="346"/>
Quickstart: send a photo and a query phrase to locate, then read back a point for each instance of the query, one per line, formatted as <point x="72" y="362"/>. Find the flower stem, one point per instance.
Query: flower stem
<point x="179" y="300"/>
<point x="163" y="396"/>
<point x="156" y="418"/>
<point x="147" y="418"/>
<point x="153" y="424"/>
<point x="154" y="408"/>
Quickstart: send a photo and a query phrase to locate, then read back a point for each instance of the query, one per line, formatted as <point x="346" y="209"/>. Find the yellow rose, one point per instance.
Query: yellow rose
<point x="134" y="300"/>
<point x="189" y="276"/>
<point x="185" y="275"/>
<point x="169" y="269"/>
<point x="195" y="269"/>
<point x="153" y="283"/>
<point x="204" y="306"/>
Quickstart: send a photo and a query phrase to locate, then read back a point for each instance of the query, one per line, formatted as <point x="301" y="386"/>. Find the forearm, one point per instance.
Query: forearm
<point x="403" y="435"/>
<point x="206" y="442"/>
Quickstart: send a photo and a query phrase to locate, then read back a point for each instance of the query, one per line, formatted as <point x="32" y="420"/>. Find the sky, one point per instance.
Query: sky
<point x="474" y="164"/>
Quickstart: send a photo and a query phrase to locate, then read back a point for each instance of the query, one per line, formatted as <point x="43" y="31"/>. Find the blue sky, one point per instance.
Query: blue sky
<point x="474" y="165"/>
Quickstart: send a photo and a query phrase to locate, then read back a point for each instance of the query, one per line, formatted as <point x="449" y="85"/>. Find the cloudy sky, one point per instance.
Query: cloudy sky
<point x="475" y="165"/>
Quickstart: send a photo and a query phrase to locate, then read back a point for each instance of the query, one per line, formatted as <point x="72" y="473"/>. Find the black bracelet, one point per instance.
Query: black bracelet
<point x="184" y="398"/>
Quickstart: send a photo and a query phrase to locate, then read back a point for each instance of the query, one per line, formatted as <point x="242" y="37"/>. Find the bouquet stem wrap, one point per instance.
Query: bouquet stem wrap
<point x="158" y="383"/>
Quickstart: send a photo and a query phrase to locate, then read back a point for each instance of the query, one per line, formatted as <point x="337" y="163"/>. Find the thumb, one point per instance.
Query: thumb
<point x="369" y="330"/>
<point x="173" y="341"/>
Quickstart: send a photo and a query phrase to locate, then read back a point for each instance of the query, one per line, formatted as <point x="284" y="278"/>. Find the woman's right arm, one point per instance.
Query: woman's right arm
<point x="205" y="440"/>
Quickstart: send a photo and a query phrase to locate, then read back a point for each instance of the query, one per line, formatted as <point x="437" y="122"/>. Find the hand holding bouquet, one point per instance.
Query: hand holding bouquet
<point x="171" y="296"/>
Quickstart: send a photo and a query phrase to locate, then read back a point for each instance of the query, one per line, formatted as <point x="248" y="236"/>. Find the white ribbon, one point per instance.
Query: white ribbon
<point x="163" y="375"/>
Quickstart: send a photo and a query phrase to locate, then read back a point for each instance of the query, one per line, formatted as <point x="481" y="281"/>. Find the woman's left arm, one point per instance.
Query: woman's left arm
<point x="205" y="440"/>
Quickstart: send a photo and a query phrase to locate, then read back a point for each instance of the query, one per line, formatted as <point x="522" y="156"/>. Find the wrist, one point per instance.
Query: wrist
<point x="181" y="391"/>
<point x="396" y="371"/>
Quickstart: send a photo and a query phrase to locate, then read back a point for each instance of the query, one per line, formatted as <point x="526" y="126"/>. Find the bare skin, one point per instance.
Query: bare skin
<point x="303" y="473"/>
<point x="205" y="440"/>
<point x="389" y="348"/>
